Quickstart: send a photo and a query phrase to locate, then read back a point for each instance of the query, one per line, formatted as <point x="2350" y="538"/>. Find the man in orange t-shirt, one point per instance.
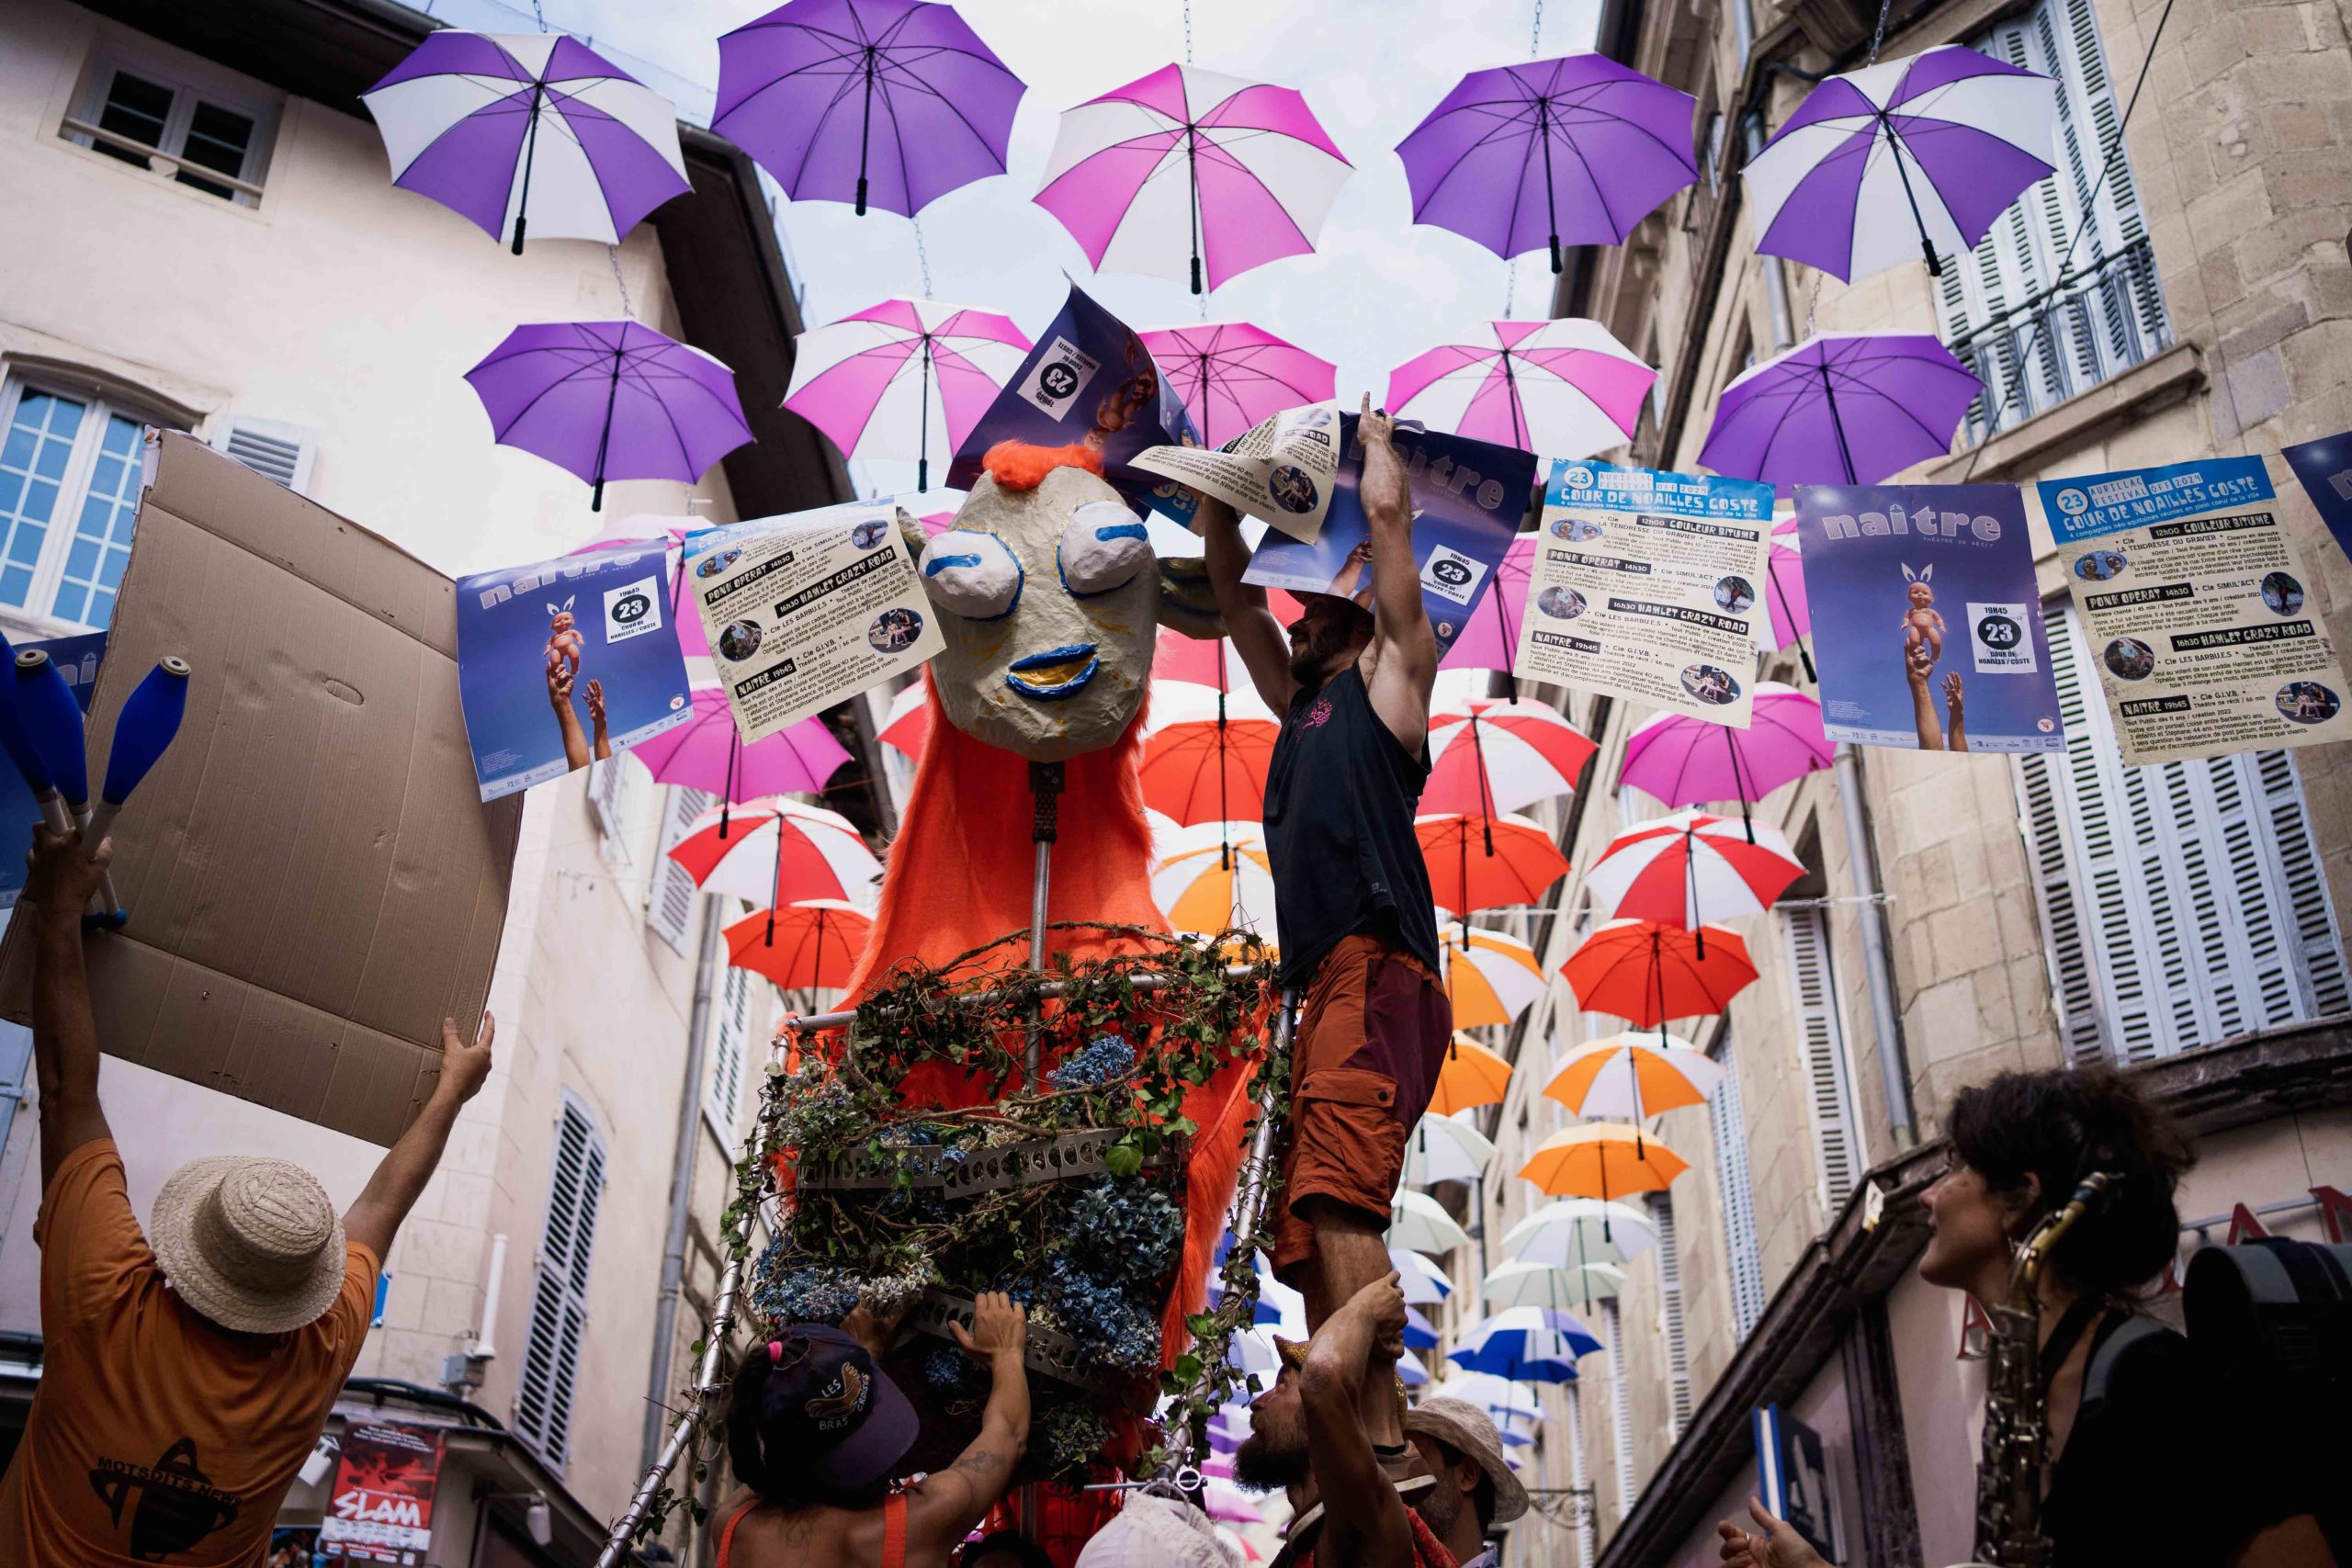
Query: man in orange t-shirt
<point x="182" y="1387"/>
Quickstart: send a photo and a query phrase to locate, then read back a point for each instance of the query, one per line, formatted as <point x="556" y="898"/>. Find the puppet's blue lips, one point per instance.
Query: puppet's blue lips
<point x="1057" y="672"/>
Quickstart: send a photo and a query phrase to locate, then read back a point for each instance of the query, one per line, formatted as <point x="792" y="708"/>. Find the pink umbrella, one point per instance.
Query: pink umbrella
<point x="1563" y="388"/>
<point x="936" y="522"/>
<point x="1784" y="594"/>
<point x="706" y="752"/>
<point x="1231" y="375"/>
<point x="901" y="377"/>
<point x="1685" y="760"/>
<point x="1489" y="640"/>
<point x="1239" y="172"/>
<point x="1225" y="1501"/>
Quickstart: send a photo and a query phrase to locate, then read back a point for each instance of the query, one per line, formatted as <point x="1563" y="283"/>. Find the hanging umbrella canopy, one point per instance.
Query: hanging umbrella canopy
<point x="806" y="944"/>
<point x="1202" y="770"/>
<point x="1224" y="1500"/>
<point x="531" y="132"/>
<point x="1190" y="164"/>
<point x="903" y="379"/>
<point x="1420" y="1335"/>
<point x="1690" y="867"/>
<point x="1598" y="1159"/>
<point x="1631" y="1077"/>
<point x="706" y="752"/>
<point x="1470" y="1076"/>
<point x="1542" y="1285"/>
<point x="883" y="102"/>
<point x="1565" y="388"/>
<point x="1490" y="978"/>
<point x="610" y="400"/>
<point x="1525" y="1345"/>
<point x="1445" y="1148"/>
<point x="1508" y="1403"/>
<point x="1425" y="1284"/>
<point x="1409" y="1370"/>
<point x="1488" y="755"/>
<point x="908" y="724"/>
<point x="1568" y="151"/>
<point x="1218" y="887"/>
<point x="1648" y="973"/>
<point x="1477" y="861"/>
<point x="1683" y="759"/>
<point x="1580" y="1232"/>
<point x="1419" y="1223"/>
<point x="1791" y="614"/>
<point x="1491" y="634"/>
<point x="1842" y="408"/>
<point x="1906" y="158"/>
<point x="772" y="850"/>
<point x="1231" y="376"/>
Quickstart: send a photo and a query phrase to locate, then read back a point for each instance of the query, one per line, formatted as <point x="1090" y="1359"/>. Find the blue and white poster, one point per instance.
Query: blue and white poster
<point x="1468" y="497"/>
<point x="2325" y="467"/>
<point x="1927" y="624"/>
<point x="2193" y="598"/>
<point x="558" y="666"/>
<point x="77" y="659"/>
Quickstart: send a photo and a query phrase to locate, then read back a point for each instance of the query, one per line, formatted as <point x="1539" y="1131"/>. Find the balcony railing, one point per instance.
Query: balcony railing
<point x="2067" y="339"/>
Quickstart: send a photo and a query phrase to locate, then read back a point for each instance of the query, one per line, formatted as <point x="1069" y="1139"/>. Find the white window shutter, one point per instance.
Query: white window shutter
<point x="1620" y="1407"/>
<point x="1669" y="1315"/>
<point x="669" y="901"/>
<point x="1837" y="1140"/>
<point x="559" y="1296"/>
<point x="272" y="448"/>
<point x="1745" y="1266"/>
<point x="731" y="1040"/>
<point x="1588" y="1526"/>
<point x="606" y="785"/>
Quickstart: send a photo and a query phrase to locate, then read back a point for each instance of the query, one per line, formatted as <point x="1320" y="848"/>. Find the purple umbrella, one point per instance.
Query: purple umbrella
<point x="471" y="119"/>
<point x="1842" y="408"/>
<point x="706" y="752"/>
<point x="1238" y="374"/>
<point x="822" y="92"/>
<point x="1683" y="760"/>
<point x="1512" y="151"/>
<point x="610" y="400"/>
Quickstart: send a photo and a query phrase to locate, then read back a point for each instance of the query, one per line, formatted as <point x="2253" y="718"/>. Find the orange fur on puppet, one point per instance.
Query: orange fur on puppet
<point x="1016" y="465"/>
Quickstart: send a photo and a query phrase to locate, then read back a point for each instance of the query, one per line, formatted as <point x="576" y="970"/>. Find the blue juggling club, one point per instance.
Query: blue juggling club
<point x="52" y="724"/>
<point x="27" y="759"/>
<point x="142" y="732"/>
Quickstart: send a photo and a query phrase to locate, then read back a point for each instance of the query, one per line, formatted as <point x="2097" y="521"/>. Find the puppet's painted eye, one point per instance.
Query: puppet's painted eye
<point x="1103" y="549"/>
<point x="976" y="575"/>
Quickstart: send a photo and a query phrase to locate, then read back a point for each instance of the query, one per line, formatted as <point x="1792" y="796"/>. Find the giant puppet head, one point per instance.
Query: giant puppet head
<point x="1050" y="597"/>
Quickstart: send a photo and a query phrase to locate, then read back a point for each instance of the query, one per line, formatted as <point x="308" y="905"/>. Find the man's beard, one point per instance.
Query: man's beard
<point x="1310" y="658"/>
<point x="1258" y="1465"/>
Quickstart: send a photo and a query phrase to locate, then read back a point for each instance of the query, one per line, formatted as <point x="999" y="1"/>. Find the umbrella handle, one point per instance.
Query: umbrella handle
<point x="530" y="149"/>
<point x="861" y="196"/>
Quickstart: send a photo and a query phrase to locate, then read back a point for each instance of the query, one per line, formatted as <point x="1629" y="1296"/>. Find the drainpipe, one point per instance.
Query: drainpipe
<point x="682" y="1190"/>
<point x="1893" y="1070"/>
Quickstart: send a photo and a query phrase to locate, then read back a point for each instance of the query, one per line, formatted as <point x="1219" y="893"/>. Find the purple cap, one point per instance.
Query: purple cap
<point x="828" y="1407"/>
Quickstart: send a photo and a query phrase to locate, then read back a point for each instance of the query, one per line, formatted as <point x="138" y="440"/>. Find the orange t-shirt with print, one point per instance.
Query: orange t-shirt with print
<point x="157" y="1436"/>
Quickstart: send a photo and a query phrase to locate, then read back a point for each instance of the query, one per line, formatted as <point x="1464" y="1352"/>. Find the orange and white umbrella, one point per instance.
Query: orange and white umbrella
<point x="1631" y="1076"/>
<point x="803" y="946"/>
<point x="1492" y="979"/>
<point x="1601" y="1159"/>
<point x="1216" y="888"/>
<point x="1487" y="756"/>
<point x="1479" y="861"/>
<point x="1692" y="867"/>
<point x="1470" y="1075"/>
<point x="774" y="850"/>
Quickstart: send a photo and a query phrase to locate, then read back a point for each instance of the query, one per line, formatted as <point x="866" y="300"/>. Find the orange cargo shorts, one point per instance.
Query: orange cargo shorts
<point x="1372" y="1033"/>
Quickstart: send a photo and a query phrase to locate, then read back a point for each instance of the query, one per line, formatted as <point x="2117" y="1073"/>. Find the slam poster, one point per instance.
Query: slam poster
<point x="381" y="1508"/>
<point x="2193" y="602"/>
<point x="1927" y="624"/>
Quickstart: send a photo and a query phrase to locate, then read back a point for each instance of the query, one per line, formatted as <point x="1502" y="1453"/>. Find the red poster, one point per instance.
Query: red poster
<point x="381" y="1509"/>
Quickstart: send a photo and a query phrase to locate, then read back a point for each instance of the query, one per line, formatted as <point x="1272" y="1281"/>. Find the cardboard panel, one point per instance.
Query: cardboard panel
<point x="312" y="884"/>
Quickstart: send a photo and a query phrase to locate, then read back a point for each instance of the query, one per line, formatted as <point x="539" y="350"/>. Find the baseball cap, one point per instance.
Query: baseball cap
<point x="827" y="1408"/>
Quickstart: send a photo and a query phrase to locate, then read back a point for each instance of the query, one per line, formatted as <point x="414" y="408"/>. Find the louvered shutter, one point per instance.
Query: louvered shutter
<point x="607" y="782"/>
<point x="733" y="1038"/>
<point x="2181" y="902"/>
<point x="1588" y="1522"/>
<point x="1669" y="1318"/>
<point x="1837" y="1143"/>
<point x="272" y="449"/>
<point x="669" y="901"/>
<point x="1728" y="1120"/>
<point x="1620" y="1407"/>
<point x="559" y="1296"/>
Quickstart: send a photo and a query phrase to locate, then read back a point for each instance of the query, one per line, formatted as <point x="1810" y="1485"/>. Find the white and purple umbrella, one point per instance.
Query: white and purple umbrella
<point x="1231" y="376"/>
<point x="1236" y="173"/>
<point x="1842" y="408"/>
<point x="1563" y="388"/>
<point x="883" y="102"/>
<point x="610" y="400"/>
<point x="899" y="377"/>
<point x="1576" y="150"/>
<point x="1683" y="759"/>
<point x="528" y="130"/>
<point x="1914" y="156"/>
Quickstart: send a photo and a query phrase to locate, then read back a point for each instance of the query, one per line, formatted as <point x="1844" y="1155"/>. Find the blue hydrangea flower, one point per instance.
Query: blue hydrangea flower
<point x="1106" y="1059"/>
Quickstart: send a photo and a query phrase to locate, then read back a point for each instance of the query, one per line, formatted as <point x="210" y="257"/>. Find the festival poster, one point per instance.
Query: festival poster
<point x="1279" y="471"/>
<point x="2192" y="598"/>
<point x="1089" y="380"/>
<point x="1927" y="624"/>
<point x="808" y="608"/>
<point x="381" y="1508"/>
<point x="1645" y="585"/>
<point x="559" y="664"/>
<point x="1468" y="497"/>
<point x="76" y="659"/>
<point x="2325" y="469"/>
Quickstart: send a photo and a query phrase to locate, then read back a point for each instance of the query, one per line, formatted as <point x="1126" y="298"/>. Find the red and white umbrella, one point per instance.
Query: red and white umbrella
<point x="773" y="852"/>
<point x="1190" y="163"/>
<point x="1689" y="868"/>
<point x="903" y="379"/>
<point x="1487" y="755"/>
<point x="1202" y="768"/>
<point x="1479" y="861"/>
<point x="1565" y="388"/>
<point x="908" y="724"/>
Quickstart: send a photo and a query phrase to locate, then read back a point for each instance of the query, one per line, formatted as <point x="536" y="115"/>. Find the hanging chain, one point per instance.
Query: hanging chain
<point x="613" y="255"/>
<point x="1535" y="43"/>
<point x="1188" y="32"/>
<point x="1511" y="287"/>
<point x="1878" y="33"/>
<point x="538" y="15"/>
<point x="1813" y="295"/>
<point x="923" y="257"/>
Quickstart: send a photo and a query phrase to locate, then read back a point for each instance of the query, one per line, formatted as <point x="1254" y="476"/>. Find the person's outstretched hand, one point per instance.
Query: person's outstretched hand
<point x="596" y="705"/>
<point x="1000" y="1327"/>
<point x="558" y="684"/>
<point x="60" y="879"/>
<point x="1952" y="695"/>
<point x="1384" y="471"/>
<point x="465" y="1069"/>
<point x="1779" y="1547"/>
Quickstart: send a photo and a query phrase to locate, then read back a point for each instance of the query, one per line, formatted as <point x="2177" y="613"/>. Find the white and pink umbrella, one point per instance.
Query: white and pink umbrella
<point x="1565" y="388"/>
<point x="777" y="852"/>
<point x="1791" y="612"/>
<point x="903" y="379"/>
<point x="1487" y="755"/>
<point x="1230" y="375"/>
<point x="1234" y="174"/>
<point x="1689" y="868"/>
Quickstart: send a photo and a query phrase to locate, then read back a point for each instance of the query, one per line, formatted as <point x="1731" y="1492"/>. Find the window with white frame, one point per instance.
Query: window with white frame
<point x="71" y="468"/>
<point x="2181" y="902"/>
<point x="207" y="130"/>
<point x="2034" y="335"/>
<point x="1728" y="1120"/>
<point x="559" y="1296"/>
<point x="1821" y="1044"/>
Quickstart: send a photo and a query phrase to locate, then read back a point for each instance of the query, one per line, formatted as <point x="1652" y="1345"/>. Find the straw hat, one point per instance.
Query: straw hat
<point x="1154" y="1532"/>
<point x="252" y="1244"/>
<point x="1470" y="1431"/>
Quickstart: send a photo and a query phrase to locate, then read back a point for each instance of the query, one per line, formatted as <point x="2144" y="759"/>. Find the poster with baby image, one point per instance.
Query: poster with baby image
<point x="558" y="666"/>
<point x="1927" y="624"/>
<point x="2194" y="604"/>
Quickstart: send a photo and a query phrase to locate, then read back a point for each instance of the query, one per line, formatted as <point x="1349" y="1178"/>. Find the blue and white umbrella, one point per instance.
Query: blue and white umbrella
<point x="1526" y="1344"/>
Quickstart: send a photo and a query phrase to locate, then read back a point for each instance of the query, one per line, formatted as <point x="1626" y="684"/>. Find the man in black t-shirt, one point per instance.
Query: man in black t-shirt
<point x="1352" y="895"/>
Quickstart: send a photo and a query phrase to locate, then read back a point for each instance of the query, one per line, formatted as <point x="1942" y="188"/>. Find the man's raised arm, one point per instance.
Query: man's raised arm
<point x="1364" y="1519"/>
<point x="1264" y="647"/>
<point x="375" y="1216"/>
<point x="1402" y="660"/>
<point x="65" y="1035"/>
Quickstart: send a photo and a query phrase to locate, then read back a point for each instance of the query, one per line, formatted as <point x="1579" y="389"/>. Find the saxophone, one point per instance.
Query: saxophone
<point x="2016" y="1429"/>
